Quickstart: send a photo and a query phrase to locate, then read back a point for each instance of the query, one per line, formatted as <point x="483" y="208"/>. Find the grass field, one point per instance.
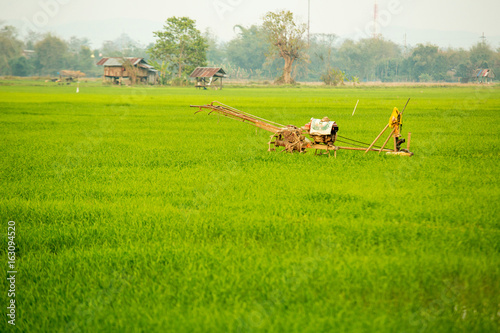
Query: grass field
<point x="135" y="215"/>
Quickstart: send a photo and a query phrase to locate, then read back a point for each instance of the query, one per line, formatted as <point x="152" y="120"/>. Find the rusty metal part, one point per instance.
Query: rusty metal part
<point x="231" y="112"/>
<point x="291" y="138"/>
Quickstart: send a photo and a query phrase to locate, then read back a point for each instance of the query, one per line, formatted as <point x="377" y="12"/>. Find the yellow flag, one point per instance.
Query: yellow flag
<point x="395" y="118"/>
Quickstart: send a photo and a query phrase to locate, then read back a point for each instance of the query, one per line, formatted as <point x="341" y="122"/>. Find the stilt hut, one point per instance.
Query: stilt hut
<point x="208" y="77"/>
<point x="484" y="75"/>
<point x="115" y="70"/>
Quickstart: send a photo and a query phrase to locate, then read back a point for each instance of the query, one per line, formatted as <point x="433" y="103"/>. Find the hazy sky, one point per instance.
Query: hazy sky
<point x="433" y="18"/>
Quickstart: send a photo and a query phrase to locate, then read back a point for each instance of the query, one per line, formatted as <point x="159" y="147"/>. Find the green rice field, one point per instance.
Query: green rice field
<point x="133" y="214"/>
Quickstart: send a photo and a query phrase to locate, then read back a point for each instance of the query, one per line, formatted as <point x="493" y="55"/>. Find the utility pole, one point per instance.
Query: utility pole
<point x="405" y="47"/>
<point x="483" y="39"/>
<point x="375" y="16"/>
<point x="308" y="19"/>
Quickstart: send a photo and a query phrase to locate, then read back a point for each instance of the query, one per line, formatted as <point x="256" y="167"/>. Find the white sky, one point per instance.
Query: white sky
<point x="345" y="18"/>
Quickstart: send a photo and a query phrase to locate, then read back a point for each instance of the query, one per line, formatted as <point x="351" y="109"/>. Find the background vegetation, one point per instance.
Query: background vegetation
<point x="244" y="57"/>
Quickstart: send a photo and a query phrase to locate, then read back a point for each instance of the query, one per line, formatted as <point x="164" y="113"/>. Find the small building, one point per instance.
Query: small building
<point x="484" y="75"/>
<point x="115" y="70"/>
<point x="208" y="77"/>
<point x="28" y="54"/>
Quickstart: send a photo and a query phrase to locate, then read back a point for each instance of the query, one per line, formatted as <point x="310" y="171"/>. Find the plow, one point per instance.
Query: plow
<point x="320" y="135"/>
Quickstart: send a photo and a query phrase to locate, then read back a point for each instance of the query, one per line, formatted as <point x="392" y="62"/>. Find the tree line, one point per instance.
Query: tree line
<point x="275" y="50"/>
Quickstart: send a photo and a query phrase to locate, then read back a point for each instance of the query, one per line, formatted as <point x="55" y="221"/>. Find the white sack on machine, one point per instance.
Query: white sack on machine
<point x="319" y="127"/>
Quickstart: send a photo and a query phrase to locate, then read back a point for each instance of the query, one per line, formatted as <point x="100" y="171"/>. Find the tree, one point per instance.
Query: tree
<point x="381" y="58"/>
<point x="32" y="37"/>
<point x="333" y="77"/>
<point x="163" y="69"/>
<point x="130" y="69"/>
<point x="287" y="40"/>
<point x="216" y="50"/>
<point x="111" y="49"/>
<point x="20" y="66"/>
<point x="463" y="71"/>
<point x="458" y="62"/>
<point x="321" y="55"/>
<point x="10" y="48"/>
<point x="86" y="61"/>
<point x="75" y="44"/>
<point x="426" y="59"/>
<point x="481" y="55"/>
<point x="51" y="54"/>
<point x="248" y="49"/>
<point x="79" y="54"/>
<point x="370" y="59"/>
<point x="123" y="46"/>
<point x="350" y="58"/>
<point x="180" y="44"/>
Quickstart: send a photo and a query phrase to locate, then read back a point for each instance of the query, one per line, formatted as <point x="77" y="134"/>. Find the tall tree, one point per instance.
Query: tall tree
<point x="426" y="60"/>
<point x="32" y="37"/>
<point x="287" y="40"/>
<point x="130" y="69"/>
<point x="86" y="61"/>
<point x="369" y="58"/>
<point x="481" y="55"/>
<point x="180" y="44"/>
<point x="216" y="50"/>
<point x="248" y="49"/>
<point x="111" y="49"/>
<point x="321" y="53"/>
<point x="20" y="66"/>
<point x="51" y="53"/>
<point x="458" y="63"/>
<point x="78" y="57"/>
<point x="10" y="48"/>
<point x="75" y="44"/>
<point x="349" y="57"/>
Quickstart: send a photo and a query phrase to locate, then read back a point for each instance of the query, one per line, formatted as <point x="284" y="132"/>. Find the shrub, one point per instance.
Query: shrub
<point x="333" y="77"/>
<point x="180" y="82"/>
<point x="424" y="78"/>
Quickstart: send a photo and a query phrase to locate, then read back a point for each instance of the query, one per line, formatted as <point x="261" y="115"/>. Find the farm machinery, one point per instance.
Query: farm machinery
<point x="319" y="134"/>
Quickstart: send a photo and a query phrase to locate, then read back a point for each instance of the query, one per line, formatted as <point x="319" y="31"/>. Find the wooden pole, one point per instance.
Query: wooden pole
<point x="385" y="142"/>
<point x="356" y="148"/>
<point x="408" y="101"/>
<point x="355" y="108"/>
<point x="377" y="138"/>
